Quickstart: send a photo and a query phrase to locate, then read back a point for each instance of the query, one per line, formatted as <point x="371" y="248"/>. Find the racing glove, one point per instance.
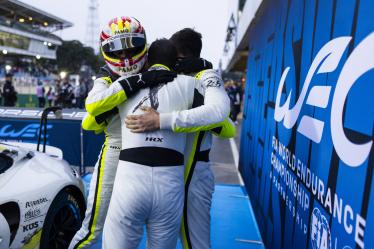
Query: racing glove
<point x="192" y="65"/>
<point x="133" y="84"/>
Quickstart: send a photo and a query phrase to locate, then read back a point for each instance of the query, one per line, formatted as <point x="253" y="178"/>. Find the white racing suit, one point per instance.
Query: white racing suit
<point x="162" y="223"/>
<point x="215" y="108"/>
<point x="199" y="178"/>
<point x="102" y="116"/>
<point x="101" y="184"/>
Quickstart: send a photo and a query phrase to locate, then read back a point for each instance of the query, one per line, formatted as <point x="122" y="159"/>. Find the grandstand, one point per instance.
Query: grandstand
<point x="26" y="30"/>
<point x="27" y="44"/>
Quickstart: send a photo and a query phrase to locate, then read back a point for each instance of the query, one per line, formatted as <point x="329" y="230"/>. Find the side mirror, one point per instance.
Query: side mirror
<point x="43" y="122"/>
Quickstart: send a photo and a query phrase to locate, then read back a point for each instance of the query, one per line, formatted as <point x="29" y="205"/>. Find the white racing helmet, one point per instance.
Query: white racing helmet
<point x="123" y="45"/>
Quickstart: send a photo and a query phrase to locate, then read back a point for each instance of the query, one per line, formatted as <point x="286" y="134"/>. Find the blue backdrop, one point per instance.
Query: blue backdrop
<point x="64" y="134"/>
<point x="306" y="154"/>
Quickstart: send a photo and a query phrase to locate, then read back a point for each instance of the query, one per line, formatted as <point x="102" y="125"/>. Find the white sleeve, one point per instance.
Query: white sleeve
<point x="214" y="108"/>
<point x="98" y="86"/>
<point x="104" y="96"/>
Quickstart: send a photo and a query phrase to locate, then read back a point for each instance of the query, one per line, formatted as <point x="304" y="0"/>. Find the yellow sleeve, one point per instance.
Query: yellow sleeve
<point x="89" y="123"/>
<point x="227" y="129"/>
<point x="104" y="96"/>
<point x="224" y="129"/>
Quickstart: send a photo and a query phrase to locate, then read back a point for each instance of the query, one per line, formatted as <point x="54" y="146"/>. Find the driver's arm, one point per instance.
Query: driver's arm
<point x="97" y="123"/>
<point x="105" y="97"/>
<point x="211" y="108"/>
<point x="225" y="129"/>
<point x="89" y="123"/>
<point x="199" y="118"/>
<point x="207" y="114"/>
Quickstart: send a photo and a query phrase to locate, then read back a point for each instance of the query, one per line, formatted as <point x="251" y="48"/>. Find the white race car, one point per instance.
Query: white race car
<point x="41" y="199"/>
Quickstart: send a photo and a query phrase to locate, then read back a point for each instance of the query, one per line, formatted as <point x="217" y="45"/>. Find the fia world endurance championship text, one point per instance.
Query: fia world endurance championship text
<point x="294" y="180"/>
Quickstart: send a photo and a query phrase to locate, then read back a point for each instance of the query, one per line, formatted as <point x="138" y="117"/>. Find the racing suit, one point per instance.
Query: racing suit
<point x="104" y="172"/>
<point x="105" y="169"/>
<point x="163" y="221"/>
<point x="199" y="179"/>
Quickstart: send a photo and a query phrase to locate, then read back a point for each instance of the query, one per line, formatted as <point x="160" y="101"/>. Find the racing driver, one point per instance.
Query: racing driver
<point x="123" y="46"/>
<point x="199" y="179"/>
<point x="195" y="118"/>
<point x="149" y="186"/>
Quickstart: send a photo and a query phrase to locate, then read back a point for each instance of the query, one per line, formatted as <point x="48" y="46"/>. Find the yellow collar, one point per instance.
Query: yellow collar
<point x="160" y="66"/>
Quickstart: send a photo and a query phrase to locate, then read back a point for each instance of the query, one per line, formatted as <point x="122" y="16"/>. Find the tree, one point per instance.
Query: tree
<point x="71" y="55"/>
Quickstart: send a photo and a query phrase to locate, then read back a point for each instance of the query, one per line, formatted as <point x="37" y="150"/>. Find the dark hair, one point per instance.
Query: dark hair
<point x="188" y="42"/>
<point x="162" y="51"/>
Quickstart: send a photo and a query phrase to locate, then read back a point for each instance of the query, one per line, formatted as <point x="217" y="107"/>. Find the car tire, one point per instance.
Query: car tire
<point x="63" y="220"/>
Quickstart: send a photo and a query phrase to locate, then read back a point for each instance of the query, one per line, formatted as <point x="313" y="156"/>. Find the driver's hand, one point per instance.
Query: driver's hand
<point x="148" y="121"/>
<point x="155" y="77"/>
<point x="133" y="84"/>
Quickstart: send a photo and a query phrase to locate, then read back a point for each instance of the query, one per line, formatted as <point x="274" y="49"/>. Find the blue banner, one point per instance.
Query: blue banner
<point x="306" y="154"/>
<point x="61" y="133"/>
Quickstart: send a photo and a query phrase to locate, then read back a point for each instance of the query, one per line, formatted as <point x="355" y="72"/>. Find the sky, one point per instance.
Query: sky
<point x="160" y="18"/>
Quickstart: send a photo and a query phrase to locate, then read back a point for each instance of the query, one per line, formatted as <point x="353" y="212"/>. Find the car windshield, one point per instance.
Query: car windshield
<point x="6" y="160"/>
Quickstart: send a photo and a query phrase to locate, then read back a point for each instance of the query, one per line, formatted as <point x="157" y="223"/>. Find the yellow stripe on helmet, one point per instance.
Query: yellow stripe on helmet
<point x="113" y="26"/>
<point x="127" y="26"/>
<point x="119" y="24"/>
<point x="108" y="58"/>
<point x="141" y="53"/>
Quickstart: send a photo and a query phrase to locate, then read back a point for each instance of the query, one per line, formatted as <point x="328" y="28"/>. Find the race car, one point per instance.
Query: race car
<point x="42" y="201"/>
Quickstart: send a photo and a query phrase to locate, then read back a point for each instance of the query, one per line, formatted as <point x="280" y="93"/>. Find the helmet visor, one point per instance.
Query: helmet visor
<point x="125" y="53"/>
<point x="123" y="42"/>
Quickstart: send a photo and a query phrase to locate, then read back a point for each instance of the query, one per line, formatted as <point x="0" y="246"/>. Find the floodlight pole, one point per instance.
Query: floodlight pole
<point x="93" y="26"/>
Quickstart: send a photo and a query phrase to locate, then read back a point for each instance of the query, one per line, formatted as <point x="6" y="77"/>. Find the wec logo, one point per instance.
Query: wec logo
<point x="327" y="60"/>
<point x="28" y="132"/>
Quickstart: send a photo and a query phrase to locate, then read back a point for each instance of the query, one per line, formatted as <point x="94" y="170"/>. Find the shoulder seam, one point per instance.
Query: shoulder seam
<point x="199" y="74"/>
<point x="107" y="79"/>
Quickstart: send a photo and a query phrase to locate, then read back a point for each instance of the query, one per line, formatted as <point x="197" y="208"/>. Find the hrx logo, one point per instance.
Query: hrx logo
<point x="326" y="61"/>
<point x="154" y="139"/>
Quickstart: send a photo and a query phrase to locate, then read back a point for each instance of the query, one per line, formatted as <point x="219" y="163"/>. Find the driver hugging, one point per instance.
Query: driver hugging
<point x="158" y="126"/>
